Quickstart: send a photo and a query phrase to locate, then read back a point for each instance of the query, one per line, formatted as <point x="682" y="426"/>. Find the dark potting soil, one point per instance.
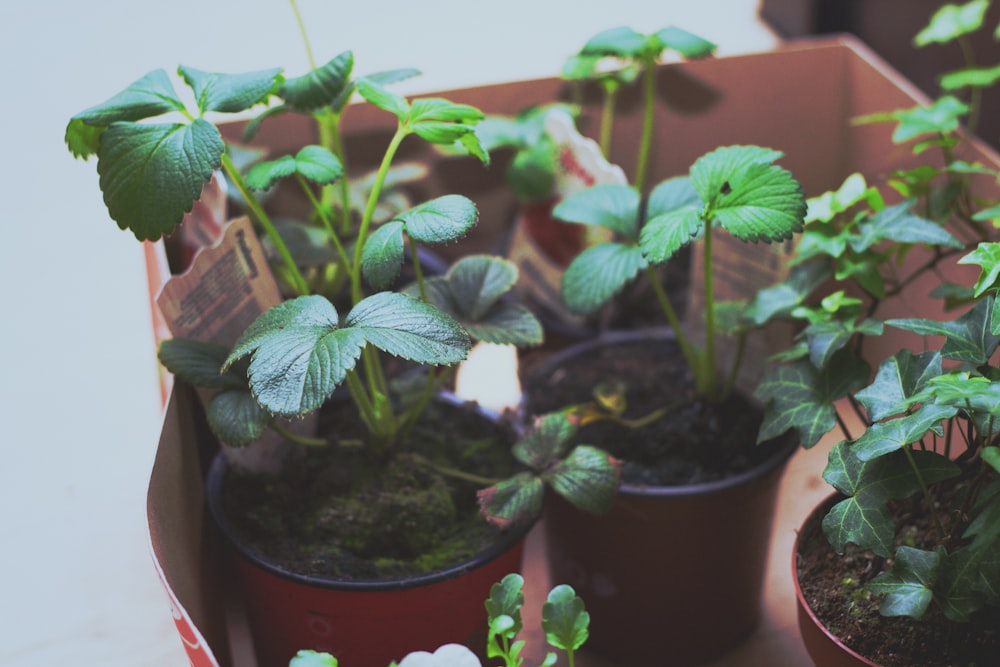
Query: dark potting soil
<point x="694" y="442"/>
<point x="338" y="511"/>
<point x="833" y="586"/>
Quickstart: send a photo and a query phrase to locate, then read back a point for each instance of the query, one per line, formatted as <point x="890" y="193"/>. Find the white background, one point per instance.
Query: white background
<point x="79" y="397"/>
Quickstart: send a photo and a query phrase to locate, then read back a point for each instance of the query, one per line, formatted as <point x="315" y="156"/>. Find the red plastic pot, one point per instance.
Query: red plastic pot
<point x="824" y="647"/>
<point x="672" y="575"/>
<point x="365" y="623"/>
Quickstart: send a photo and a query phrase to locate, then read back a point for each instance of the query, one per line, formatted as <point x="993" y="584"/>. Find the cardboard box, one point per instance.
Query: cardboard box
<point x="799" y="99"/>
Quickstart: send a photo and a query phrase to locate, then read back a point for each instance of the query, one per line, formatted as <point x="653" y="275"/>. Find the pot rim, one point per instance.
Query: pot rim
<point x="822" y="506"/>
<point x="783" y="452"/>
<point x="213" y="499"/>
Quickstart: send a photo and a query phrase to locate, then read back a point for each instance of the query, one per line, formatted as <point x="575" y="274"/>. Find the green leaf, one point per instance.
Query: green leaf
<point x="897" y="380"/>
<point x="667" y="233"/>
<point x="382" y="257"/>
<point x="506" y="599"/>
<point x="968" y="580"/>
<point x="152" y="174"/>
<point x="941" y="117"/>
<point x="312" y="659"/>
<point x="751" y="198"/>
<point x="622" y="41"/>
<point x="299" y="355"/>
<point x="610" y="205"/>
<point x="384" y="99"/>
<point x="409" y="328"/>
<point x="236" y="418"/>
<point x="548" y="438"/>
<point x="968" y="337"/>
<point x="899" y="224"/>
<point x="564" y="619"/>
<point x="313" y="163"/>
<point x="588" y="478"/>
<point x="908" y="586"/>
<point x="198" y="363"/>
<point x="512" y="501"/>
<point x="441" y="220"/>
<point x="598" y="273"/>
<point x="671" y="195"/>
<point x="987" y="256"/>
<point x="478" y="281"/>
<point x="952" y="21"/>
<point x="532" y="172"/>
<point x="977" y="77"/>
<point x="827" y="338"/>
<point x="383" y="78"/>
<point x="685" y="43"/>
<point x="320" y="87"/>
<point x="799" y="396"/>
<point x="863" y="518"/>
<point x="83" y="140"/>
<point x="780" y="299"/>
<point x="152" y="95"/>
<point x="230" y="93"/>
<point x="991" y="455"/>
<point x="828" y="205"/>
<point x="884" y="437"/>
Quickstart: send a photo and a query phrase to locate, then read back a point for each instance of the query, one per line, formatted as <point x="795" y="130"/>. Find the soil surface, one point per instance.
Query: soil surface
<point x="693" y="442"/>
<point x="833" y="585"/>
<point x="339" y="511"/>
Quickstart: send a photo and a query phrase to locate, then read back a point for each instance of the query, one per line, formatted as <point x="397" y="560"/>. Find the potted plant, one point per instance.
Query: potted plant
<point x="906" y="572"/>
<point x="667" y="404"/>
<point x="386" y="486"/>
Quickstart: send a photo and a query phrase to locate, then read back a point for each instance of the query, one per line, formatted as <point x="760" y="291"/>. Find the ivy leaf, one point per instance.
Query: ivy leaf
<point x="968" y="580"/>
<point x="198" y="363"/>
<point x="899" y="224"/>
<point x="952" y="21"/>
<point x="319" y="87"/>
<point x="236" y="418"/>
<point x="987" y="257"/>
<point x="779" y="300"/>
<point x="991" y="455"/>
<point x="565" y="619"/>
<point x="314" y="163"/>
<point x="687" y="44"/>
<point x="230" y="93"/>
<point x="863" y="518"/>
<point x="506" y="599"/>
<point x="512" y="501"/>
<point x="908" y="586"/>
<point x="440" y="220"/>
<point x="152" y="174"/>
<point x="384" y="99"/>
<point x="941" y="117"/>
<point x="968" y="338"/>
<point x="889" y="436"/>
<point x="828" y="205"/>
<point x="610" y="205"/>
<point x="598" y="273"/>
<point x="975" y="77"/>
<point x="750" y="197"/>
<point x="897" y="379"/>
<point x="588" y="478"/>
<point x="799" y="396"/>
<point x="827" y="338"/>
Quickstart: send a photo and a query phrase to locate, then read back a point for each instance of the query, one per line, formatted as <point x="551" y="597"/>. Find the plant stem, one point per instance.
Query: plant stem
<point x="296" y="438"/>
<point x="649" y="91"/>
<point x="456" y="474"/>
<point x="925" y="491"/>
<point x="298" y="281"/>
<point x="672" y="319"/>
<point x="705" y="374"/>
<point x="302" y="31"/>
<point x="608" y="116"/>
<point x="417" y="269"/>
<point x="321" y="212"/>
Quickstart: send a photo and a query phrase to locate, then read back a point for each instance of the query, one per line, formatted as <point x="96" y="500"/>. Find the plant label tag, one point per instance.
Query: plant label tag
<point x="740" y="271"/>
<point x="226" y="287"/>
<point x="541" y="246"/>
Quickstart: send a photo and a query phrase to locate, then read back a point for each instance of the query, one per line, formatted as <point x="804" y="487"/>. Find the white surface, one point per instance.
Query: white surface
<point x="78" y="383"/>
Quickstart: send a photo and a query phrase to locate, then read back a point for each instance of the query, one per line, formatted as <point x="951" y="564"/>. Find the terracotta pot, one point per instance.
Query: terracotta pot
<point x="824" y="647"/>
<point x="361" y="622"/>
<point x="672" y="575"/>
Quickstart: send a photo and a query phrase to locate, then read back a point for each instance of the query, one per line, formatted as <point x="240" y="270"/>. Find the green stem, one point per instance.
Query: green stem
<point x="418" y="271"/>
<point x="457" y="474"/>
<point x="925" y="491"/>
<point x="366" y="220"/>
<point x="734" y="371"/>
<point x="302" y="31"/>
<point x="672" y="319"/>
<point x="608" y="116"/>
<point x="705" y="374"/>
<point x="645" y="144"/>
<point x="976" y="93"/>
<point x="327" y="224"/>
<point x="298" y="439"/>
<point x="337" y="147"/>
<point x="299" y="283"/>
